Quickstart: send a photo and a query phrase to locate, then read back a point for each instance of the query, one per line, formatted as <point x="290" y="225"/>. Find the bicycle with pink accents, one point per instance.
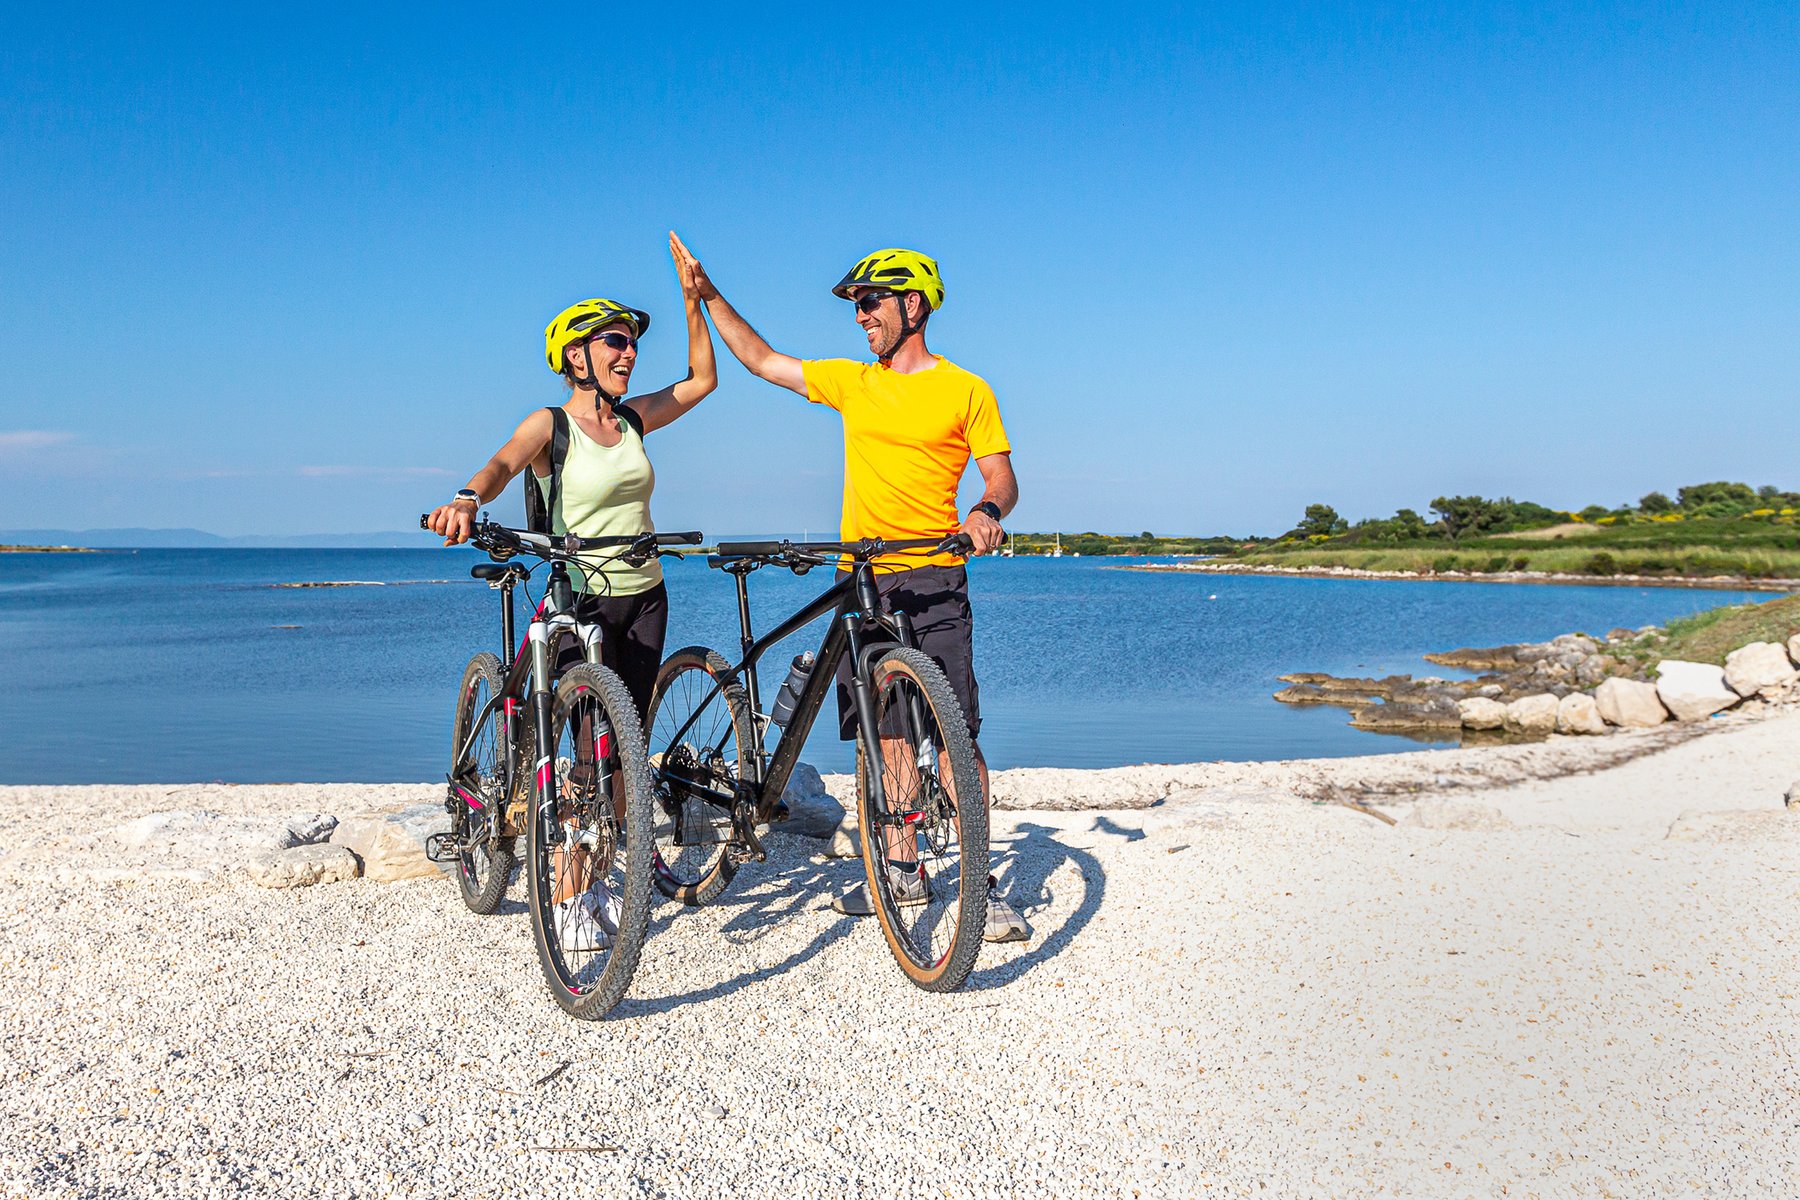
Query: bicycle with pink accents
<point x="557" y="759"/>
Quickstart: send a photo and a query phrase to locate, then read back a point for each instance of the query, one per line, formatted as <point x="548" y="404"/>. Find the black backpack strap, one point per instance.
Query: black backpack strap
<point x="559" y="451"/>
<point x="630" y="416"/>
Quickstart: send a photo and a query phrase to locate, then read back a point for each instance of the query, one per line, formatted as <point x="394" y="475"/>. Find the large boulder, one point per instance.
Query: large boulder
<point x="811" y="811"/>
<point x="302" y="866"/>
<point x="1629" y="704"/>
<point x="1534" y="715"/>
<point x="1691" y="690"/>
<point x="1794" y="649"/>
<point x="391" y="845"/>
<point x="220" y="837"/>
<point x="1481" y="712"/>
<point x="1577" y="713"/>
<point x="1750" y="669"/>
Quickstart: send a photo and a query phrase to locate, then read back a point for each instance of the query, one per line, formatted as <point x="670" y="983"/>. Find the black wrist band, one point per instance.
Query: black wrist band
<point x="988" y="507"/>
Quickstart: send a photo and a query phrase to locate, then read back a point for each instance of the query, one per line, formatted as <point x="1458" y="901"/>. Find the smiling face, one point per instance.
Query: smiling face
<point x="884" y="326"/>
<point x="611" y="365"/>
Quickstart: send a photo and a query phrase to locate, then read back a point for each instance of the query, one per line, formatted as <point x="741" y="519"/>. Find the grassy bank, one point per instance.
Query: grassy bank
<point x="1709" y="636"/>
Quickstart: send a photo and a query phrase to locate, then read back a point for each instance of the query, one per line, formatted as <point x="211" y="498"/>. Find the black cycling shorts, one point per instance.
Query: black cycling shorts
<point x="937" y="600"/>
<point x="633" y="627"/>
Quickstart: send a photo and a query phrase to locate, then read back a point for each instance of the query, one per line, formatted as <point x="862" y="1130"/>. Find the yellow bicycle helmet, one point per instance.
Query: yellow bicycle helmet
<point x="576" y="322"/>
<point x="898" y="270"/>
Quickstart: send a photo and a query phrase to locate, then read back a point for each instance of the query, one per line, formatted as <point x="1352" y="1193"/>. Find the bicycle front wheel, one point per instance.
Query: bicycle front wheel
<point x="701" y="733"/>
<point x="590" y="848"/>
<point x="925" y="842"/>
<point x="478" y="751"/>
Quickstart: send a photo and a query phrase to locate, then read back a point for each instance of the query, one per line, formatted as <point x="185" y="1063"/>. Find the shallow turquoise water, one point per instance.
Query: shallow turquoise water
<point x="170" y="665"/>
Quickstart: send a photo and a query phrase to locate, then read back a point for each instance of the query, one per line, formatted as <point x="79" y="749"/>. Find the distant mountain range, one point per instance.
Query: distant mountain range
<point x="199" y="539"/>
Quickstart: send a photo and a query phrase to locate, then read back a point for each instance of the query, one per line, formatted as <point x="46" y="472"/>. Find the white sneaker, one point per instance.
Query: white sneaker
<point x="578" y="930"/>
<point x="604" y="907"/>
<point x="1004" y="924"/>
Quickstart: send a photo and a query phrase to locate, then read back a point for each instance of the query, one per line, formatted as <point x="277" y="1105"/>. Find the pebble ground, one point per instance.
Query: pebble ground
<point x="1235" y="993"/>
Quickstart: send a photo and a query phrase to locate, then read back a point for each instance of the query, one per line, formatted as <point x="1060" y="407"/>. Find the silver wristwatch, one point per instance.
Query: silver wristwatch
<point x="469" y="494"/>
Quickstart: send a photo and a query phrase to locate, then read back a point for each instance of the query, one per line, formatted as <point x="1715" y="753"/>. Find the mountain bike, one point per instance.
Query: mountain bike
<point x="922" y="815"/>
<point x="557" y="759"/>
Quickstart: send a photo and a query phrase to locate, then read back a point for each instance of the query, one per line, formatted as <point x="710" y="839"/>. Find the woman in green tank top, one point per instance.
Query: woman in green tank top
<point x="606" y="478"/>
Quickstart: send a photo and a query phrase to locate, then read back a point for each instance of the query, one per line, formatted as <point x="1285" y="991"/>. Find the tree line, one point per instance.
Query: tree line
<point x="1455" y="518"/>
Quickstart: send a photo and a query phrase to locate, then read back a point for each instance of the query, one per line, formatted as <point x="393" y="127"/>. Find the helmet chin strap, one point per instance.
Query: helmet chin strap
<point x="907" y="327"/>
<point x="593" y="377"/>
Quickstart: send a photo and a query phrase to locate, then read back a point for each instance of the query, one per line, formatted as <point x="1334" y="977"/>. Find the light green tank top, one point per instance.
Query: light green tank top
<point x="606" y="493"/>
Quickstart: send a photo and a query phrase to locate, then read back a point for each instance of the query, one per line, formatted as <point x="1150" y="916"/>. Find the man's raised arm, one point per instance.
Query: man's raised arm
<point x="743" y="341"/>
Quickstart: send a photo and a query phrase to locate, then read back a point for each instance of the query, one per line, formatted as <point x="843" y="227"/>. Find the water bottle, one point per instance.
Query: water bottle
<point x="788" y="698"/>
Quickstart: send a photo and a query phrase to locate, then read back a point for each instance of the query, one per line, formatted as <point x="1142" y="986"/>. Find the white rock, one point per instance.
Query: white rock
<point x="1792" y="798"/>
<point x="1692" y="690"/>
<point x="1479" y="712"/>
<point x="1532" y="714"/>
<point x="1794" y="649"/>
<point x="1629" y="704"/>
<point x="302" y="866"/>
<point x="845" y="842"/>
<point x="1750" y="669"/>
<point x="211" y="836"/>
<point x="1577" y="713"/>
<point x="391" y="845"/>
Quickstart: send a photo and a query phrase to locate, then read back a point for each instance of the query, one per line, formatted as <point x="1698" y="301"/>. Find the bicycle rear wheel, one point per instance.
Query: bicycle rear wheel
<point x="700" y="735"/>
<point x="478" y="787"/>
<point x="925" y="846"/>
<point x="590" y="847"/>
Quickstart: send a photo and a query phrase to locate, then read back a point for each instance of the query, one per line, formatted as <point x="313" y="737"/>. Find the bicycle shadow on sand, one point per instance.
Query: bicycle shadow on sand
<point x="1042" y="866"/>
<point x="763" y="898"/>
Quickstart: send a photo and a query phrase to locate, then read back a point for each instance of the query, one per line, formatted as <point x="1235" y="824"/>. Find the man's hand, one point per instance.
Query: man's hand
<point x="984" y="531"/>
<point x="454" y="520"/>
<point x="694" y="281"/>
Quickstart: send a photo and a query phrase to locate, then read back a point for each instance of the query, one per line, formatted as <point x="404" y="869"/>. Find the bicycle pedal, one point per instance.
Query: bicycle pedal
<point x="442" y="848"/>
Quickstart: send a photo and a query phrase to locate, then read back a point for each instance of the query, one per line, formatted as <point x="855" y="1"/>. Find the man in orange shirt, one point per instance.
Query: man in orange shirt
<point x="912" y="420"/>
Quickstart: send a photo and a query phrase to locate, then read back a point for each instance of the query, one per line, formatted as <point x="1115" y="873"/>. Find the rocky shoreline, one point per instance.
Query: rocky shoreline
<point x="1736" y="583"/>
<point x="1573" y="684"/>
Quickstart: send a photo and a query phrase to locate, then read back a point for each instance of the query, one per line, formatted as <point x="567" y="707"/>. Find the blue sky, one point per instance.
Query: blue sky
<point x="286" y="271"/>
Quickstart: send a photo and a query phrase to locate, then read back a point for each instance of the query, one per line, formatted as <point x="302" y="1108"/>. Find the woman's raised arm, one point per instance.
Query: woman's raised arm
<point x="664" y="407"/>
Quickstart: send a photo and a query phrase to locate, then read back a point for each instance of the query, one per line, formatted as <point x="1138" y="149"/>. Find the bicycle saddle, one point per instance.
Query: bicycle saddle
<point x="494" y="570"/>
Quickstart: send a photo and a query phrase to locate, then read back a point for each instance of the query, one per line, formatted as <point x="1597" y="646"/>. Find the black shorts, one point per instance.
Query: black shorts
<point x="632" y="645"/>
<point x="937" y="600"/>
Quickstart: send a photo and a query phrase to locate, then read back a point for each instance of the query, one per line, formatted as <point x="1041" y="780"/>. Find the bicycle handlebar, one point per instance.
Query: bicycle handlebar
<point x="868" y="548"/>
<point x="490" y="536"/>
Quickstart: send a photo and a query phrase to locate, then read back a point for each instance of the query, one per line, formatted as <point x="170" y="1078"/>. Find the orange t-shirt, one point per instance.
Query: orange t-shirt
<point x="907" y="441"/>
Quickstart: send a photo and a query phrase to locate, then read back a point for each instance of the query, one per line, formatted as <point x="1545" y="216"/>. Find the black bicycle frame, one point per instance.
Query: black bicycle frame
<point x="846" y="634"/>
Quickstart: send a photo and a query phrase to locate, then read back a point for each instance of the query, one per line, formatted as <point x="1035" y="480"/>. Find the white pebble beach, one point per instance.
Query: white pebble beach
<point x="1565" y="972"/>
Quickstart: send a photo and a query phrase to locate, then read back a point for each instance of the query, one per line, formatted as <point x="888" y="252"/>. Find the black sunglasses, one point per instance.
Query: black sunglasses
<point x="618" y="341"/>
<point x="870" y="301"/>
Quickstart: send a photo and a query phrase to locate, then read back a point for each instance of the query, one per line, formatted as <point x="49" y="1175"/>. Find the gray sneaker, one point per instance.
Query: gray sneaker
<point x="1004" y="924"/>
<point x="911" y="889"/>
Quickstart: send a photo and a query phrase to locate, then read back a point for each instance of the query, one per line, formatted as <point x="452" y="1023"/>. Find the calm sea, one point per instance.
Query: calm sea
<point x="188" y="665"/>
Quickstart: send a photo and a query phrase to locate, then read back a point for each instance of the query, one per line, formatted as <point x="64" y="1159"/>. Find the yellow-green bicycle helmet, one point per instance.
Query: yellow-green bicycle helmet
<point x="898" y="270"/>
<point x="574" y="323"/>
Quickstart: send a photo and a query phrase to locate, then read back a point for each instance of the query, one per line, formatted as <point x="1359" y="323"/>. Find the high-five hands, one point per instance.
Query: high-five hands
<point x="693" y="276"/>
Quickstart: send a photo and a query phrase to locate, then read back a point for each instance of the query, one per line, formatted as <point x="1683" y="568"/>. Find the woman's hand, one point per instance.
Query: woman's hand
<point x="694" y="283"/>
<point x="454" y="520"/>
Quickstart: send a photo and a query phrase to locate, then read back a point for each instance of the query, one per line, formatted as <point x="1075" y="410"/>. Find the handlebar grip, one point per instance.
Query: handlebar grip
<point x="424" y="520"/>
<point x="745" y="549"/>
<point x="690" y="538"/>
